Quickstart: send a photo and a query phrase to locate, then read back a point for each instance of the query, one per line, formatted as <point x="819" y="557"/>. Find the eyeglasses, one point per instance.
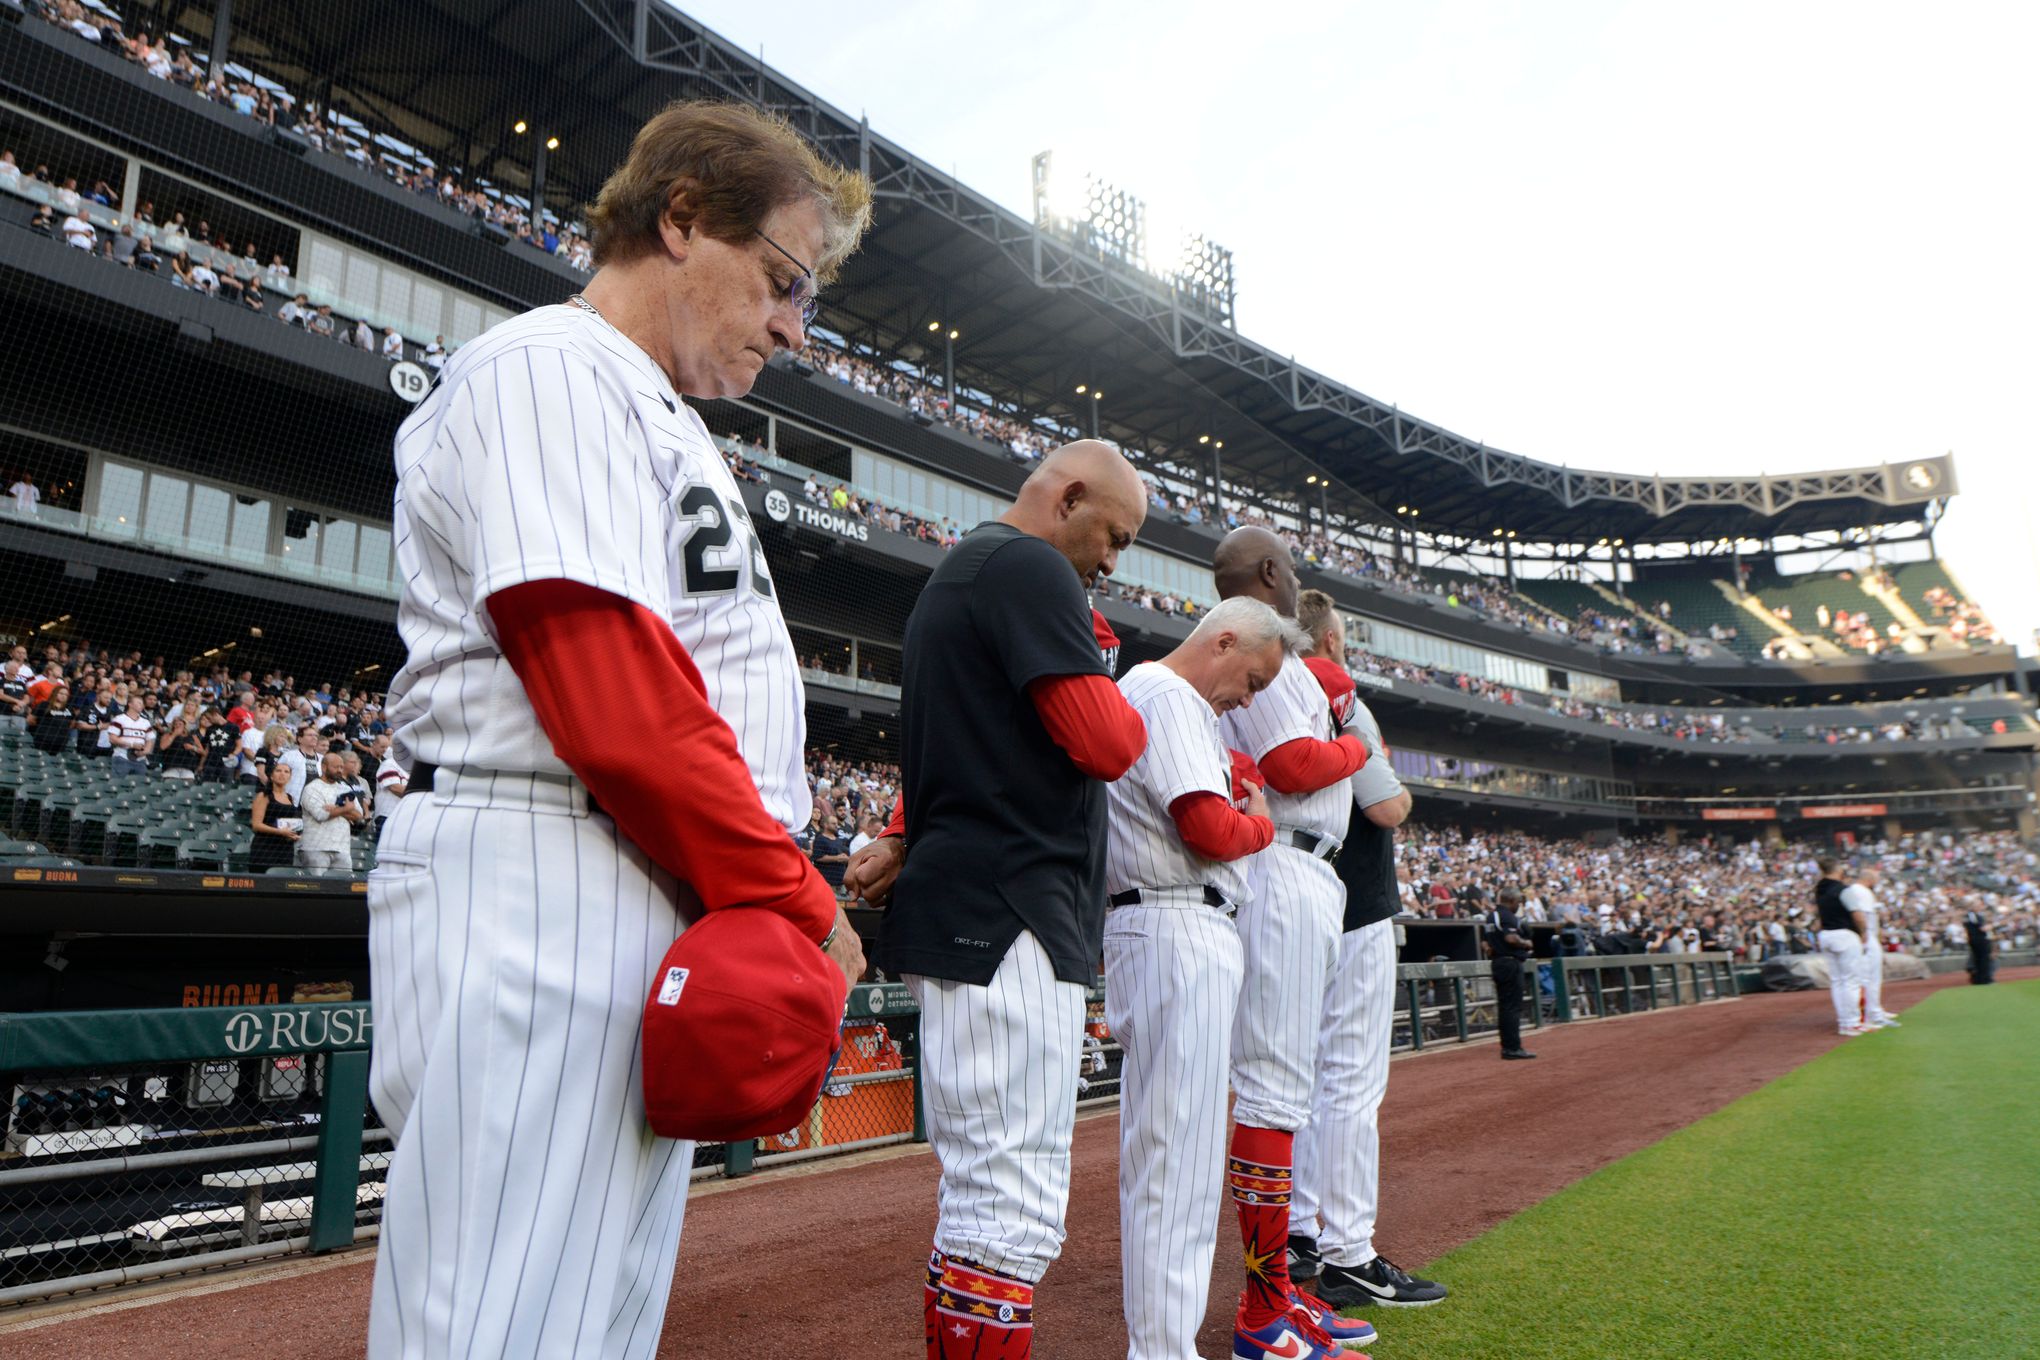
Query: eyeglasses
<point x="802" y="291"/>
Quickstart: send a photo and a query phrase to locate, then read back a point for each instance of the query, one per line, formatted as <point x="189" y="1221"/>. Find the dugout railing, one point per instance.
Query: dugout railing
<point x="149" y="1143"/>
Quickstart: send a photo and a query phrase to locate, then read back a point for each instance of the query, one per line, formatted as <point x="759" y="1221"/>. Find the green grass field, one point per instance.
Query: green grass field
<point x="1882" y="1201"/>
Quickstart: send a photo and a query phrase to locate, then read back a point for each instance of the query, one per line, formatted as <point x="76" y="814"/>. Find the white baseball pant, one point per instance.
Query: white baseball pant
<point x="1843" y="950"/>
<point x="530" y="1211"/>
<point x="1338" y="1154"/>
<point x="1872" y="976"/>
<point x="1173" y="966"/>
<point x="999" y="1084"/>
<point x="1289" y="933"/>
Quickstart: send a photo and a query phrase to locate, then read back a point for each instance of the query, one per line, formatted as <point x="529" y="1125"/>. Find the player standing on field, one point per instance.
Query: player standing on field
<point x="556" y="500"/>
<point x="1338" y="1153"/>
<point x="1289" y="931"/>
<point x="1173" y="963"/>
<point x="1009" y="725"/>
<point x="1840" y="942"/>
<point x="1860" y="897"/>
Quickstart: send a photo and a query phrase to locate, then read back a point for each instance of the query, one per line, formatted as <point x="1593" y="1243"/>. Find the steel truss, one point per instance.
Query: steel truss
<point x="659" y="38"/>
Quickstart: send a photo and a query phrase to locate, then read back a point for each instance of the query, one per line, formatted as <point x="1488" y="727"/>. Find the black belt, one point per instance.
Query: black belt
<point x="1311" y="843"/>
<point x="1132" y="898"/>
<point x="422" y="776"/>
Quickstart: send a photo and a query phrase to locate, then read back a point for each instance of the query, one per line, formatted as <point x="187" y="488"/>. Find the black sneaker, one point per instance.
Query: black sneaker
<point x="1378" y="1282"/>
<point x="1303" y="1257"/>
<point x="1517" y="1054"/>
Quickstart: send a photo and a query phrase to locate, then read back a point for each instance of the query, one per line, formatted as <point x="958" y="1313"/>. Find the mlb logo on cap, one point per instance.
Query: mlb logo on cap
<point x="741" y="1028"/>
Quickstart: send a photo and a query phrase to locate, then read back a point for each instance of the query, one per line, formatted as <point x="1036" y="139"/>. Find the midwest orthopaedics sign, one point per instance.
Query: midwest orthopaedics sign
<point x="297" y="1030"/>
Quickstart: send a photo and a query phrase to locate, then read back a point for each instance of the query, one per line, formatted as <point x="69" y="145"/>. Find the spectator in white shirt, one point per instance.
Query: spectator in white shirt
<point x="203" y="279"/>
<point x="294" y="311"/>
<point x="435" y="353"/>
<point x="68" y="199"/>
<point x="392" y="344"/>
<point x="303" y="760"/>
<point x="391" y="782"/>
<point x="277" y="275"/>
<point x="131" y="736"/>
<point x="332" y="810"/>
<point x="364" y="336"/>
<point x="27" y="496"/>
<point x="321" y="321"/>
<point x="10" y="173"/>
<point x="80" y="232"/>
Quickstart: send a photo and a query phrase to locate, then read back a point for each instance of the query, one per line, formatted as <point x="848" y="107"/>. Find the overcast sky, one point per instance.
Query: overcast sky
<point x="1636" y="237"/>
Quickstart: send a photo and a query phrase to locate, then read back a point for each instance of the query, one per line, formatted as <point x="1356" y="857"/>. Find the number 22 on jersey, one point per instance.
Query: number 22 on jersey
<point x="720" y="547"/>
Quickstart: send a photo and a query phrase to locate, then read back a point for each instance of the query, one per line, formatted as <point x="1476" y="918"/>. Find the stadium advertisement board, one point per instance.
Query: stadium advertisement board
<point x="1844" y="810"/>
<point x="1741" y="814"/>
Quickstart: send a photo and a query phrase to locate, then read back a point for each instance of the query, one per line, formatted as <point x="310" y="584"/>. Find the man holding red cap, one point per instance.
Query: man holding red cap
<point x="543" y="1047"/>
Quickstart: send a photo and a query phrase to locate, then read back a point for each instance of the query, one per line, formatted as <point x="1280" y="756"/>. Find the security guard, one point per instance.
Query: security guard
<point x="1982" y="968"/>
<point x="1506" y="944"/>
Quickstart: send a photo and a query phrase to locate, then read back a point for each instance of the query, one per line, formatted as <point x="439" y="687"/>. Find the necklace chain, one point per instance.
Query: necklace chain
<point x="591" y="309"/>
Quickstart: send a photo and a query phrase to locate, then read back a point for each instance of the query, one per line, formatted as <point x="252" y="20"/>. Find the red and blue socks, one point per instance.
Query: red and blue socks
<point x="971" y="1313"/>
<point x="1258" y="1172"/>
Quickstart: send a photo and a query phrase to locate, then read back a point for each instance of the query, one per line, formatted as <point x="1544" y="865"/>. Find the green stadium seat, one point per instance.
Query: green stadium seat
<point x="11" y="849"/>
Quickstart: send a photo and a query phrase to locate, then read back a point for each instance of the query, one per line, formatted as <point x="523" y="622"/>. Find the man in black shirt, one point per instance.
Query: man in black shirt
<point x="1337" y="1175"/>
<point x="830" y="853"/>
<point x="222" y="743"/>
<point x="1508" y="947"/>
<point x="1009" y="723"/>
<point x="1982" y="967"/>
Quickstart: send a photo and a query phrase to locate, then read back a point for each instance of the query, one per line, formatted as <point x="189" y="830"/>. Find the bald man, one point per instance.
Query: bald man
<point x="1289" y="933"/>
<point x="1010" y="728"/>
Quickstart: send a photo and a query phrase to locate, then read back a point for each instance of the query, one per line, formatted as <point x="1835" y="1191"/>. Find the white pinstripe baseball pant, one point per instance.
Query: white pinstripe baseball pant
<point x="1172" y="978"/>
<point x="1338" y="1154"/>
<point x="1290" y="935"/>
<point x="999" y="1080"/>
<point x="530" y="1211"/>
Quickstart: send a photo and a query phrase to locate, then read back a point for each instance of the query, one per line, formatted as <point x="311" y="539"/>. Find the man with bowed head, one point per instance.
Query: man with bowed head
<point x="1289" y="932"/>
<point x="557" y="498"/>
<point x="1176" y="874"/>
<point x="1009" y="728"/>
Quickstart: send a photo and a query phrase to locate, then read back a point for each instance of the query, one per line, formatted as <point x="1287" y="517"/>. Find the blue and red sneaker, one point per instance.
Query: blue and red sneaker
<point x="1348" y="1333"/>
<point x="1292" y="1336"/>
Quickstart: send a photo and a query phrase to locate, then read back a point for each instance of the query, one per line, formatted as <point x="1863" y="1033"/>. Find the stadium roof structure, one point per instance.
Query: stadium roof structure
<point x="1036" y="313"/>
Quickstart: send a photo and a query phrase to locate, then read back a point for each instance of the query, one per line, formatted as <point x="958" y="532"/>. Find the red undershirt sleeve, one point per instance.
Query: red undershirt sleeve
<point x="709" y="829"/>
<point x="1090" y="719"/>
<point x="1307" y="764"/>
<point x="1216" y="830"/>
<point x="898" y="825"/>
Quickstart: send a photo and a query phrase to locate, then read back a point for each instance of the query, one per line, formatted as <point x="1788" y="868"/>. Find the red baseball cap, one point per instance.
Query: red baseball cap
<point x="741" y="1028"/>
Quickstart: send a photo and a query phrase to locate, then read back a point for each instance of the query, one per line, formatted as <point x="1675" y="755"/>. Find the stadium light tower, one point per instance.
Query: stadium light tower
<point x="1096" y="216"/>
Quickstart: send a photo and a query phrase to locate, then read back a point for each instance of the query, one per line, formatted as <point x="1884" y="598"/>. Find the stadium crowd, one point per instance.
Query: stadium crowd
<point x="179" y="63"/>
<point x="1679" y="724"/>
<point x="1646" y="894"/>
<point x="197" y="258"/>
<point x="314" y="760"/>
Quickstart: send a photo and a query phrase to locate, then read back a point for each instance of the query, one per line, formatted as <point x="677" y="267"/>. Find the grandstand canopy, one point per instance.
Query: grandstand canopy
<point x="1035" y="315"/>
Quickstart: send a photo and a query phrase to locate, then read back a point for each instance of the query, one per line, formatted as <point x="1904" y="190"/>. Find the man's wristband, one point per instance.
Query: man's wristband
<point x="830" y="938"/>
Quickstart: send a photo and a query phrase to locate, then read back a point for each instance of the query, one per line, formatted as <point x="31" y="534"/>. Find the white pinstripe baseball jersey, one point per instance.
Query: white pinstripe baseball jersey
<point x="1293" y="706"/>
<point x="552" y="448"/>
<point x="1183" y="756"/>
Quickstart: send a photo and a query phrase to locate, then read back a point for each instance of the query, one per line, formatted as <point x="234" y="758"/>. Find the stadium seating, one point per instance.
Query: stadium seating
<point x="75" y="805"/>
<point x="1698" y="603"/>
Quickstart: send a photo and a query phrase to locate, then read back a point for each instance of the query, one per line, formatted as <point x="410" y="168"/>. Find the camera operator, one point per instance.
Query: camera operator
<point x="331" y="809"/>
<point x="1504" y="943"/>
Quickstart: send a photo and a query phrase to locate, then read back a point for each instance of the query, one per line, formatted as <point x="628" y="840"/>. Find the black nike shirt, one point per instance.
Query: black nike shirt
<point x="1004" y="834"/>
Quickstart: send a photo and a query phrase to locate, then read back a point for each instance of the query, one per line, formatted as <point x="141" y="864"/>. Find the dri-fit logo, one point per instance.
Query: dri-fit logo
<point x="295" y="1031"/>
<point x="835" y="524"/>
